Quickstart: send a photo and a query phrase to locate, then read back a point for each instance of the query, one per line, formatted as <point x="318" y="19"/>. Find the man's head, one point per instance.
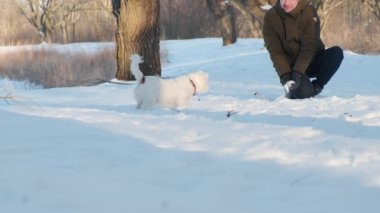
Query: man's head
<point x="289" y="5"/>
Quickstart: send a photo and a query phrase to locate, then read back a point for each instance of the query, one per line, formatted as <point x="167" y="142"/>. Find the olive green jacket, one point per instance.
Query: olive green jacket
<point x="292" y="39"/>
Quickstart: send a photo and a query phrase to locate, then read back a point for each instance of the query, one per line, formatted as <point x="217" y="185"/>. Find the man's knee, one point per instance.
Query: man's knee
<point x="337" y="53"/>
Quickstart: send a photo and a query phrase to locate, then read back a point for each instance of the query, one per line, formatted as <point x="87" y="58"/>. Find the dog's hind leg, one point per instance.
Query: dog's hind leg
<point x="179" y="103"/>
<point x="147" y="104"/>
<point x="138" y="106"/>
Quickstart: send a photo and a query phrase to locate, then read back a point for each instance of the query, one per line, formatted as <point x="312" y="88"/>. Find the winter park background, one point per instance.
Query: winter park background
<point x="242" y="147"/>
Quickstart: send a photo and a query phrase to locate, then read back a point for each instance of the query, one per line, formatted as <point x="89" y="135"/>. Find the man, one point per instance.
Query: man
<point x="292" y="36"/>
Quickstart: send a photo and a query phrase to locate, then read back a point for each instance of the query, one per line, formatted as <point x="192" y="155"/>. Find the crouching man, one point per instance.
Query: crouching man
<point x="292" y="36"/>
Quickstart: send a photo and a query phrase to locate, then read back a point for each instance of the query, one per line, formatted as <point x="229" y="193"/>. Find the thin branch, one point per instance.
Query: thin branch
<point x="20" y="100"/>
<point x="6" y="98"/>
<point x="373" y="6"/>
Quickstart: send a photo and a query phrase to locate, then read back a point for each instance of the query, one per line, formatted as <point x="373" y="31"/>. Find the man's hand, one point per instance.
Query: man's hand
<point x="297" y="78"/>
<point x="285" y="78"/>
<point x="289" y="86"/>
<point x="291" y="82"/>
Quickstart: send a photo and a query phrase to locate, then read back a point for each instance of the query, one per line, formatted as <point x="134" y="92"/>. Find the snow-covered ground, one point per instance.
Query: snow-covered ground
<point x="240" y="148"/>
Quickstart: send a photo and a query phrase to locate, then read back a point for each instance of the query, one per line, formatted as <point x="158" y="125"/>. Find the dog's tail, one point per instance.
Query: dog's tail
<point x="135" y="69"/>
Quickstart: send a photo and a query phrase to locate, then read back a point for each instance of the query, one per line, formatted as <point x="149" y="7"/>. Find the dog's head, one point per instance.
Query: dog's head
<point x="136" y="58"/>
<point x="200" y="80"/>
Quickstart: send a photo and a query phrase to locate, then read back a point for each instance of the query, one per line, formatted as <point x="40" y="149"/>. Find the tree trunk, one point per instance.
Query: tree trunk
<point x="229" y="28"/>
<point x="253" y="14"/>
<point x="137" y="32"/>
<point x="224" y="12"/>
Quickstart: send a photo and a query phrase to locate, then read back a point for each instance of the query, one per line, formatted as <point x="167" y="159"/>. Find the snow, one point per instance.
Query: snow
<point x="266" y="7"/>
<point x="242" y="147"/>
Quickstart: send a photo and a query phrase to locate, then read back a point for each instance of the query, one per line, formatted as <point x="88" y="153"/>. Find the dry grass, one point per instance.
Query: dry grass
<point x="49" y="68"/>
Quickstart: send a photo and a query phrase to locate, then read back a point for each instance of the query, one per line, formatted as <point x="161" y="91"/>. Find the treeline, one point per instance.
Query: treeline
<point x="58" y="21"/>
<point x="353" y="24"/>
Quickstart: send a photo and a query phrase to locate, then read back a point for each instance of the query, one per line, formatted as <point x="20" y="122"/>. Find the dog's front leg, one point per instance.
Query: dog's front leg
<point x="138" y="106"/>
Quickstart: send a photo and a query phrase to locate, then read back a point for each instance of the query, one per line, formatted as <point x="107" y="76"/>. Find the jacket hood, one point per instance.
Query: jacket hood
<point x="295" y="12"/>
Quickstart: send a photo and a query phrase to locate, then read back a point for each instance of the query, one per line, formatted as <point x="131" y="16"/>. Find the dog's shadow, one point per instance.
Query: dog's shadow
<point x="324" y="125"/>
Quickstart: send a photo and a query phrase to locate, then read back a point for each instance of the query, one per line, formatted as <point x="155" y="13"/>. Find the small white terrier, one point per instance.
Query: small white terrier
<point x="171" y="93"/>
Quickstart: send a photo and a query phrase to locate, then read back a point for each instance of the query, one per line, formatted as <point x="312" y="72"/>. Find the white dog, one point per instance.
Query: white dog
<point x="172" y="93"/>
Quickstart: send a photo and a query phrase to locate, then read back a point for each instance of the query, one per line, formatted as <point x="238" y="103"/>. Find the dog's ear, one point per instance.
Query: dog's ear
<point x="136" y="58"/>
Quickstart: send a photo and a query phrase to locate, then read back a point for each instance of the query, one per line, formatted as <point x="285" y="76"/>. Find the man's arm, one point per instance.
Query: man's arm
<point x="309" y="41"/>
<point x="274" y="46"/>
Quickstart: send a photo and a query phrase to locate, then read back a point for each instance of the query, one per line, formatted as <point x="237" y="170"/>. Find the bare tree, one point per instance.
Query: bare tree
<point x="105" y="5"/>
<point x="253" y="13"/>
<point x="251" y="10"/>
<point x="137" y="32"/>
<point x="48" y="15"/>
<point x="374" y="6"/>
<point x="183" y="19"/>
<point x="67" y="15"/>
<point x="324" y="9"/>
<point x="38" y="13"/>
<point x="224" y="12"/>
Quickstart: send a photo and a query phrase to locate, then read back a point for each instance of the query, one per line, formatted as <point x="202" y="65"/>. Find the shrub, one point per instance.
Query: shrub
<point x="50" y="68"/>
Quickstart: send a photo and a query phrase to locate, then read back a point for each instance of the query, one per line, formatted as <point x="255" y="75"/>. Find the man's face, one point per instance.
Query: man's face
<point x="289" y="5"/>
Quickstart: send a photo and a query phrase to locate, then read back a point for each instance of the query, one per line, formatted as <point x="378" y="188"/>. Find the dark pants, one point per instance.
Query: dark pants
<point x="323" y="67"/>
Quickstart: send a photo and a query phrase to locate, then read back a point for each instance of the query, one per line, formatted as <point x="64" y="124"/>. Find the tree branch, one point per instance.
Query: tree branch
<point x="9" y="98"/>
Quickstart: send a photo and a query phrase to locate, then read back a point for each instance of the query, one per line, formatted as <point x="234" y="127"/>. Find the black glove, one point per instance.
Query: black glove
<point x="291" y="82"/>
<point x="285" y="78"/>
<point x="297" y="78"/>
<point x="302" y="87"/>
